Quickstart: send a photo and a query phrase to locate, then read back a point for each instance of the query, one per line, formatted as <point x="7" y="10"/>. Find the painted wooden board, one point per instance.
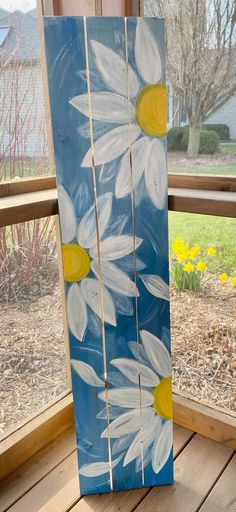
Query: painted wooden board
<point x="58" y="486"/>
<point x="108" y="106"/>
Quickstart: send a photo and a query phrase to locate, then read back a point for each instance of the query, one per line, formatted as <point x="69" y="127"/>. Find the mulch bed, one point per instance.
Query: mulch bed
<point x="32" y="354"/>
<point x="32" y="358"/>
<point x="204" y="344"/>
<point x="179" y="160"/>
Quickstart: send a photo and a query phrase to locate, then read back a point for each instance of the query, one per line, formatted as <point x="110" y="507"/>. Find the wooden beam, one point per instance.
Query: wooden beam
<point x="222" y="204"/>
<point x="37" y="433"/>
<point x="91" y="7"/>
<point x="26" y="185"/>
<point x="24" y="207"/>
<point x="43" y="203"/>
<point x="186" y="181"/>
<point x="205" y="420"/>
<point x="136" y="8"/>
<point x="206" y="182"/>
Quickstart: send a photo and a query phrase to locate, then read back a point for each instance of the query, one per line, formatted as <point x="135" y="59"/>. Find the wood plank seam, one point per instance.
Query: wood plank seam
<point x="214" y="483"/>
<point x="132" y="197"/>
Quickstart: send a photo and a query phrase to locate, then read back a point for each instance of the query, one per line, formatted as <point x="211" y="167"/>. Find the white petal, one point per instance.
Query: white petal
<point x="147" y="53"/>
<point x="128" y="423"/>
<point x="127" y="397"/>
<point x="146" y="435"/>
<point x="114" y="75"/>
<point x="138" y="352"/>
<point x="157" y="353"/>
<point x="76" y="312"/>
<point x="139" y="152"/>
<point x="115" y="279"/>
<point x="115" y="247"/>
<point x="87" y="231"/>
<point x="106" y="106"/>
<point x="112" y="144"/>
<point x="125" y="424"/>
<point x="156" y="286"/>
<point x="162" y="447"/>
<point x="114" y="412"/>
<point x="122" y="443"/>
<point x="87" y="373"/>
<point x="98" y="468"/>
<point x="156" y="174"/>
<point x="131" y="370"/>
<point x="67" y="216"/>
<point x="124" y="305"/>
<point x="108" y="171"/>
<point x="91" y="292"/>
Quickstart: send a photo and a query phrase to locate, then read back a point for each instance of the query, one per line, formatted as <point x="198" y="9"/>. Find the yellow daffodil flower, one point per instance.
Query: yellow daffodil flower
<point x="233" y="282"/>
<point x="211" y="251"/>
<point x="223" y="278"/>
<point x="189" y="267"/>
<point x="181" y="258"/>
<point x="177" y="243"/>
<point x="201" y="266"/>
<point x="194" y="252"/>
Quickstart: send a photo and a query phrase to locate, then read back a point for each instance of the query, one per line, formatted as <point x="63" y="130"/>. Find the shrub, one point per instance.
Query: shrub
<point x="209" y="141"/>
<point x="177" y="140"/>
<point x="27" y="254"/>
<point x="174" y="138"/>
<point x="222" y="130"/>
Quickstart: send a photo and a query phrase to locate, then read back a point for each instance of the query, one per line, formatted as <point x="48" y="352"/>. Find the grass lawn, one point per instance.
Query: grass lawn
<point x="207" y="231"/>
<point x="228" y="147"/>
<point x="27" y="168"/>
<point x="221" y="170"/>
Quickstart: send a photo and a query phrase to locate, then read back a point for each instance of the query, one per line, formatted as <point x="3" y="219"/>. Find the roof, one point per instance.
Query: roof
<point x="33" y="13"/>
<point x="22" y="41"/>
<point x="3" y="12"/>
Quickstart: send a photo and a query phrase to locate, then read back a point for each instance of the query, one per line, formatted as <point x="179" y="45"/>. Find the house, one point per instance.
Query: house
<point x="22" y="120"/>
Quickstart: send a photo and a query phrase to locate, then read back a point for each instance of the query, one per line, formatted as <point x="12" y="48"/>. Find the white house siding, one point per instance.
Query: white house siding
<point x="22" y="124"/>
<point x="226" y="115"/>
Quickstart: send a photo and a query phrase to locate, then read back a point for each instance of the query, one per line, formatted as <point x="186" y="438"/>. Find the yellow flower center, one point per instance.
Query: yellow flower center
<point x="151" y="110"/>
<point x="162" y="399"/>
<point x="76" y="262"/>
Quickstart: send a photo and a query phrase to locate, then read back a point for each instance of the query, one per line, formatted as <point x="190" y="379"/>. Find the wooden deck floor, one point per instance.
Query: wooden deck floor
<point x="205" y="481"/>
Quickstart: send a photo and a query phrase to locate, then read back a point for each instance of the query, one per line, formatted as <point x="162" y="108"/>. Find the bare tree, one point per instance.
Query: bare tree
<point x="201" y="56"/>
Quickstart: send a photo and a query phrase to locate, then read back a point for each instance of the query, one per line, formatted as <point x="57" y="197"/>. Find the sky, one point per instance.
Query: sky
<point x="20" y="5"/>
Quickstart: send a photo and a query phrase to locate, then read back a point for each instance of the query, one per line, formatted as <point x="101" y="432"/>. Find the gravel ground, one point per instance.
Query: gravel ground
<point x="32" y="355"/>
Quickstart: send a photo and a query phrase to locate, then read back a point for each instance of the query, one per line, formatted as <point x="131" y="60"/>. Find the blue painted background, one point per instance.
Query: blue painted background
<point x="66" y="66"/>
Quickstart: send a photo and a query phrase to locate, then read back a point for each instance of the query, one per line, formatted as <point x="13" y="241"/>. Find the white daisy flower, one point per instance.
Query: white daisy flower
<point x="154" y="438"/>
<point x="140" y="114"/>
<point x="80" y="257"/>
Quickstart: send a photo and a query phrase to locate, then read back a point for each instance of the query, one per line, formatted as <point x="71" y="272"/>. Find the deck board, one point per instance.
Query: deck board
<point x="48" y="482"/>
<point x="37" y="467"/>
<point x="223" y="496"/>
<point x="59" y="487"/>
<point x="48" y="487"/>
<point x="196" y="470"/>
